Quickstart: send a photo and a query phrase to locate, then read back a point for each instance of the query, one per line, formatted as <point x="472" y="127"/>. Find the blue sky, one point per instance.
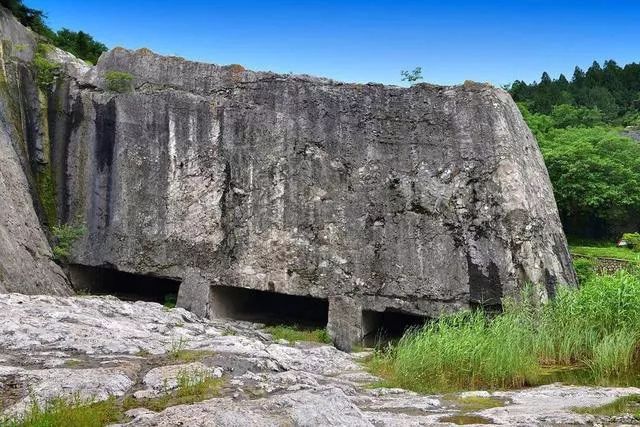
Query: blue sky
<point x="362" y="41"/>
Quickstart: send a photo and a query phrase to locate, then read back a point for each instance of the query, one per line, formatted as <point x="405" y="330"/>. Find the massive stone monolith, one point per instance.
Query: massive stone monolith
<point x="369" y="198"/>
<point x="420" y="200"/>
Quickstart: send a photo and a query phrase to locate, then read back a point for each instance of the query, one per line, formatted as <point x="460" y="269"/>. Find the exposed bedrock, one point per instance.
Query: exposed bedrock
<point x="418" y="200"/>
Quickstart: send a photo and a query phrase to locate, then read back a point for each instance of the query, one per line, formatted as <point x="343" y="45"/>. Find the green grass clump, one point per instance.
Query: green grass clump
<point x="585" y="268"/>
<point x="461" y="351"/>
<point x="614" y="355"/>
<point x="118" y="81"/>
<point x="294" y="333"/>
<point x="594" y="327"/>
<point x="193" y="386"/>
<point x="179" y="352"/>
<point x="72" y="412"/>
<point x="621" y="406"/>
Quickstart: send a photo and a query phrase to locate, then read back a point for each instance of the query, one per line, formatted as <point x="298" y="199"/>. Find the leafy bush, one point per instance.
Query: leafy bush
<point x="118" y="81"/>
<point x="46" y="70"/>
<point x="64" y="236"/>
<point x="594" y="327"/>
<point x="633" y="240"/>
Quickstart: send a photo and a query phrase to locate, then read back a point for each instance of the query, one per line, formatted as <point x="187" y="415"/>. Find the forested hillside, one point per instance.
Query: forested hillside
<point x="582" y="126"/>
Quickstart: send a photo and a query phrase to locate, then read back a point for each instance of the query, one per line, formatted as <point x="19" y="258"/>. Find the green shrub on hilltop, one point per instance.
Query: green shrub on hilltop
<point x="118" y="81"/>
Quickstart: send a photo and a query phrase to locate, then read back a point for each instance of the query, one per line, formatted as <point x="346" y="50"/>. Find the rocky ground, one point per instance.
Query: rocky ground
<point x="97" y="347"/>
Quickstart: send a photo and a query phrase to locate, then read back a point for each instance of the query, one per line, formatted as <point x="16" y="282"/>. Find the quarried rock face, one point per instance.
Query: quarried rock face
<point x="369" y="198"/>
<point x="26" y="261"/>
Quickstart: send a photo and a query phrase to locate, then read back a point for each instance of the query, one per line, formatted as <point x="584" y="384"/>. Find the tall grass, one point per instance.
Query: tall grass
<point x="595" y="327"/>
<point x="71" y="412"/>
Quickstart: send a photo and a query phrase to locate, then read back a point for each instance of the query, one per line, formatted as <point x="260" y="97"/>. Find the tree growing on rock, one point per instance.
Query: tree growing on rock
<point x="411" y="76"/>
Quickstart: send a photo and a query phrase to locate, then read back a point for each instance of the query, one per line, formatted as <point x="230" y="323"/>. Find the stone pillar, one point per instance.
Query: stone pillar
<point x="194" y="294"/>
<point x="345" y="322"/>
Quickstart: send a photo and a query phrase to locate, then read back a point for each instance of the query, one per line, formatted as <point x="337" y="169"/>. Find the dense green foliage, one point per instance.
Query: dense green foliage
<point x="594" y="168"/>
<point x="595" y="173"/>
<point x="78" y="43"/>
<point x="595" y="328"/>
<point x="613" y="90"/>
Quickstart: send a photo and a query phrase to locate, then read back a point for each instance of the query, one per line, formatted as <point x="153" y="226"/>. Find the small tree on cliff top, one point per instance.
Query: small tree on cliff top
<point x="411" y="76"/>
